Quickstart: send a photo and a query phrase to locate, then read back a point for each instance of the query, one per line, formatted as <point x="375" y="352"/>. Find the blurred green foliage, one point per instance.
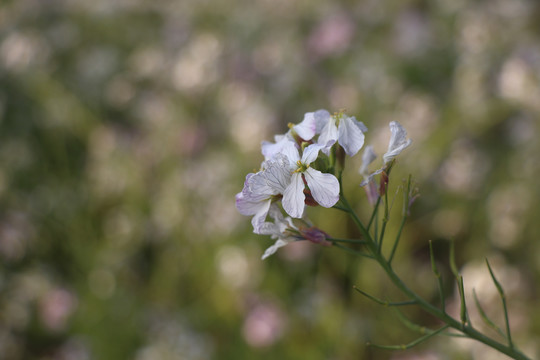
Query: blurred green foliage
<point x="126" y="128"/>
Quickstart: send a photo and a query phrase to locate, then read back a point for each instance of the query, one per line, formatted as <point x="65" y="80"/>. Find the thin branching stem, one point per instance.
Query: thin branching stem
<point x="384" y="302"/>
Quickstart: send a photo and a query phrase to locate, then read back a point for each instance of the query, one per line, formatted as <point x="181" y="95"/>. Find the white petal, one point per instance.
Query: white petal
<point x="259" y="219"/>
<point x="351" y="138"/>
<point x="310" y="153"/>
<point x="293" y="197"/>
<point x="290" y="150"/>
<point x="245" y="205"/>
<point x="328" y="136"/>
<point x="278" y="173"/>
<point x="367" y="158"/>
<point x="398" y="141"/>
<point x="360" y="124"/>
<point x="368" y="178"/>
<point x="324" y="187"/>
<point x="272" y="249"/>
<point x="269" y="150"/>
<point x="307" y="128"/>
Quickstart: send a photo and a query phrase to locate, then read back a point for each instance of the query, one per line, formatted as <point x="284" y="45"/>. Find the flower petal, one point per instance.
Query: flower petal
<point x="324" y="187"/>
<point x="321" y="119"/>
<point x="269" y="149"/>
<point x="367" y="158"/>
<point x="278" y="173"/>
<point x="351" y="138"/>
<point x="272" y="249"/>
<point x="293" y="197"/>
<point x="398" y="141"/>
<point x="311" y="153"/>
<point x="290" y="150"/>
<point x="328" y="136"/>
<point x="307" y="128"/>
<point x="259" y="219"/>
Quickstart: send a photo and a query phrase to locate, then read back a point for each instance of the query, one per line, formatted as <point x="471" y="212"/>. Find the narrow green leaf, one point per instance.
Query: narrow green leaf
<point x="411" y="344"/>
<point x="505" y="308"/>
<point x="384" y="302"/>
<point x="485" y="318"/>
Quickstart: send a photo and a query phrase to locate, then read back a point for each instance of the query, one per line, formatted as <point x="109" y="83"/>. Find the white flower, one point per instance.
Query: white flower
<point x="344" y="129"/>
<point x="398" y="142"/>
<point x="324" y="187"/>
<point x="261" y="188"/>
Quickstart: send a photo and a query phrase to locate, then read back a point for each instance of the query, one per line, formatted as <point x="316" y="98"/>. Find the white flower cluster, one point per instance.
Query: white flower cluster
<point x="299" y="169"/>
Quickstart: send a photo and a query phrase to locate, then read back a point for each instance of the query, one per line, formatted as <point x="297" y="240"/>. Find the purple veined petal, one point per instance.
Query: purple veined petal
<point x="245" y="205"/>
<point x="350" y="137"/>
<point x="311" y="153"/>
<point x="272" y="249"/>
<point x="278" y="173"/>
<point x="324" y="187"/>
<point x="321" y="119"/>
<point x="293" y="197"/>
<point x="259" y="219"/>
<point x="368" y="156"/>
<point x="258" y="189"/>
<point x="398" y="141"/>
<point x="328" y="136"/>
<point x="307" y="128"/>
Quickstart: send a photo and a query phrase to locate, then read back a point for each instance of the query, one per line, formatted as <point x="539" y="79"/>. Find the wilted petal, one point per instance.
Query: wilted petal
<point x="272" y="249"/>
<point x="367" y="158"/>
<point x="293" y="197"/>
<point x="328" y="136"/>
<point x="351" y="138"/>
<point x="398" y="141"/>
<point x="324" y="187"/>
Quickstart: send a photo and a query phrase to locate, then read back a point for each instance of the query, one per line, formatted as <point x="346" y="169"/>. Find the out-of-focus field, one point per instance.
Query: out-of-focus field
<point x="127" y="127"/>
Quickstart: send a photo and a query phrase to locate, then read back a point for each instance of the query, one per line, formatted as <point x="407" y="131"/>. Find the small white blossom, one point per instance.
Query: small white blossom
<point x="324" y="187"/>
<point x="346" y="130"/>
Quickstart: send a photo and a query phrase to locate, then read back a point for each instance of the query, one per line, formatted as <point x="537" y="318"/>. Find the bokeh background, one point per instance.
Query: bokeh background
<point x="127" y="127"/>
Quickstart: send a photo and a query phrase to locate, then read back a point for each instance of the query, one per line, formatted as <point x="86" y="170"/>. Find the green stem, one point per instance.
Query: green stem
<point x="441" y="315"/>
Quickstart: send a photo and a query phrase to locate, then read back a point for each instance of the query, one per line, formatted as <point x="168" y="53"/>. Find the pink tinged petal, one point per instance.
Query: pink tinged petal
<point x="398" y="141"/>
<point x="351" y="138"/>
<point x="328" y="136"/>
<point x="293" y="197"/>
<point x="324" y="187"/>
<point x="360" y="124"/>
<point x="311" y="153"/>
<point x="272" y="249"/>
<point x="307" y="128"/>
